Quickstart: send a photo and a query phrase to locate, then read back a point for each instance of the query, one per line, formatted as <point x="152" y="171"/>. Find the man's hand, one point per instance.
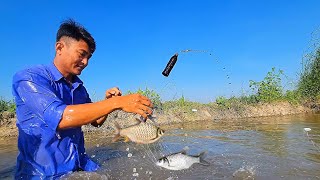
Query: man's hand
<point x="113" y="92"/>
<point x="136" y="103"/>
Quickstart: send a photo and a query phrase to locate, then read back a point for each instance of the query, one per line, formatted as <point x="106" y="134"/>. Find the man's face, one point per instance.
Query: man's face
<point x="75" y="55"/>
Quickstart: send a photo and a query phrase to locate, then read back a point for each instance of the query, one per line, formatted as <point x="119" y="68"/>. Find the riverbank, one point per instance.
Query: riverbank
<point x="176" y="115"/>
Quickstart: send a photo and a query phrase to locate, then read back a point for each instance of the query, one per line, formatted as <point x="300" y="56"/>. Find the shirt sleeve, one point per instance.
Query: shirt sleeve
<point x="37" y="94"/>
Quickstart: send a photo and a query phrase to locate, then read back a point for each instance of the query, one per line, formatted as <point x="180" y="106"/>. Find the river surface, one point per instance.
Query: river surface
<point x="260" y="148"/>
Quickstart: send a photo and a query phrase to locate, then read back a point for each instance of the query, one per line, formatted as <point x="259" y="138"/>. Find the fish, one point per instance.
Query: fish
<point x="180" y="161"/>
<point x="141" y="133"/>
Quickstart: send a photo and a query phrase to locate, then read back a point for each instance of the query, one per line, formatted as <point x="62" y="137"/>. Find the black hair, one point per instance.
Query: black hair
<point x="72" y="29"/>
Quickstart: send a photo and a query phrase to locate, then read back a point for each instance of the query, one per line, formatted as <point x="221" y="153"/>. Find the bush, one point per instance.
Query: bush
<point x="223" y="102"/>
<point x="7" y="106"/>
<point x="181" y="107"/>
<point x="269" y="89"/>
<point x="294" y="96"/>
<point x="309" y="82"/>
<point x="152" y="95"/>
<point x="251" y="99"/>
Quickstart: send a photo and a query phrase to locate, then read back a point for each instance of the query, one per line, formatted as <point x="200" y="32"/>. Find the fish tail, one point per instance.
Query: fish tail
<point x="117" y="135"/>
<point x="201" y="159"/>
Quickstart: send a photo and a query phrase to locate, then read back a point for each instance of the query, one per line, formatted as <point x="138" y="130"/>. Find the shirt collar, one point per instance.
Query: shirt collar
<point x="57" y="74"/>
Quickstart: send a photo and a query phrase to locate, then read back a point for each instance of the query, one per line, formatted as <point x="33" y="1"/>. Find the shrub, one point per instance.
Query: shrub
<point x="269" y="89"/>
<point x="151" y="94"/>
<point x="7" y="106"/>
<point x="293" y="96"/>
<point x="309" y="82"/>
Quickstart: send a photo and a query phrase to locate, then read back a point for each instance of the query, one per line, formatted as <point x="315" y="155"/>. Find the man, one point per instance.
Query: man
<point x="52" y="105"/>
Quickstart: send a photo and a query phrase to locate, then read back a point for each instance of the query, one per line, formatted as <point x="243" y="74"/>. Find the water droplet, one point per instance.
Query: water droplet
<point x="134" y="170"/>
<point x="127" y="149"/>
<point x="93" y="156"/>
<point x="129" y="155"/>
<point x="58" y="135"/>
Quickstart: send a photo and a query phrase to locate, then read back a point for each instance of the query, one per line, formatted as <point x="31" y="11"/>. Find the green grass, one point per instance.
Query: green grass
<point x="309" y="83"/>
<point x="268" y="90"/>
<point x="7" y="105"/>
<point x="151" y="94"/>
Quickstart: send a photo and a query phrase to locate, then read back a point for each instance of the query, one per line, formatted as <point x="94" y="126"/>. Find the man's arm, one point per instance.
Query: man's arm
<point x="78" y="115"/>
<point x="113" y="92"/>
<point x="36" y="93"/>
<point x="100" y="121"/>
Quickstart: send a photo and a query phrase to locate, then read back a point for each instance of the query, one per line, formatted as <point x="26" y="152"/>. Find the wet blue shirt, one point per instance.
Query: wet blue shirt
<point x="41" y="95"/>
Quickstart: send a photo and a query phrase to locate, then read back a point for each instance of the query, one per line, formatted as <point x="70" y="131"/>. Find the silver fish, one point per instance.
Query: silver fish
<point x="181" y="160"/>
<point x="143" y="133"/>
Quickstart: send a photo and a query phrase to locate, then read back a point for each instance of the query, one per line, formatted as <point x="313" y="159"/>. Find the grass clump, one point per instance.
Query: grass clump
<point x="182" y="107"/>
<point x="181" y="104"/>
<point x="151" y="94"/>
<point x="268" y="90"/>
<point x="309" y="83"/>
<point x="7" y="106"/>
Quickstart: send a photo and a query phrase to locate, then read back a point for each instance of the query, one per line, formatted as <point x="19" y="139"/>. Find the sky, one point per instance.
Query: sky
<point x="232" y="42"/>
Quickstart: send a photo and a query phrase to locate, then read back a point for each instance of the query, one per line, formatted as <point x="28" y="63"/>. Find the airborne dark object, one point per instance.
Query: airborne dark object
<point x="170" y="65"/>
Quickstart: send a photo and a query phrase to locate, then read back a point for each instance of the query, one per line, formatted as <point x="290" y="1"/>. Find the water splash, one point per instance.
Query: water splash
<point x="85" y="175"/>
<point x="245" y="172"/>
<point x="196" y="51"/>
<point x="306" y="131"/>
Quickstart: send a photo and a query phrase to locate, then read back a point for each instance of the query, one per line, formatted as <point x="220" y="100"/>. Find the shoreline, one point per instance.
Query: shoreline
<point x="202" y="113"/>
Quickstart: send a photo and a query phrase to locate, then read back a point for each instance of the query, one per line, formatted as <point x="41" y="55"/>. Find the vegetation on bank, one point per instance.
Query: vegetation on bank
<point x="268" y="90"/>
<point x="309" y="83"/>
<point x="7" y="106"/>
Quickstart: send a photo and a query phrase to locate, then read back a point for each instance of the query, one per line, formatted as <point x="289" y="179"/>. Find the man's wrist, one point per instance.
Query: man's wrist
<point x="115" y="102"/>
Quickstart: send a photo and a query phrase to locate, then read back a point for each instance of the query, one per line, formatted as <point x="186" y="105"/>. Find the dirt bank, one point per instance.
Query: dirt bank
<point x="8" y="120"/>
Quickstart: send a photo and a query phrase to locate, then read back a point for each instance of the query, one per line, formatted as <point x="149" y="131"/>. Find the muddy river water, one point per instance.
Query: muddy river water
<point x="261" y="148"/>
